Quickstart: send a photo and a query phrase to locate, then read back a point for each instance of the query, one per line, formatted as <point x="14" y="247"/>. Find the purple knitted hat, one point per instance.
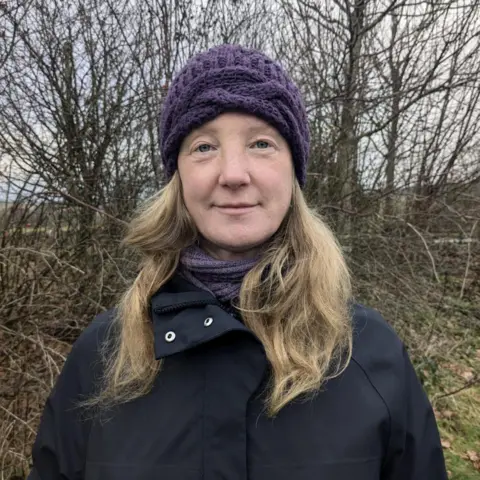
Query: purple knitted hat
<point x="233" y="78"/>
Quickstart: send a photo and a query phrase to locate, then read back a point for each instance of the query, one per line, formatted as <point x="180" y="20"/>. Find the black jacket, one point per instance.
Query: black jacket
<point x="204" y="418"/>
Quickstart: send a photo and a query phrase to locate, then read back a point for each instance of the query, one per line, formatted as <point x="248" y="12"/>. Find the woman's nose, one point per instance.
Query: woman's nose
<point x="234" y="168"/>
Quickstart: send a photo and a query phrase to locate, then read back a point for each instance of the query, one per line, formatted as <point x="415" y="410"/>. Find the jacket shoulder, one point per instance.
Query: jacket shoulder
<point x="93" y="337"/>
<point x="84" y="364"/>
<point x="378" y="352"/>
<point x="414" y="449"/>
<point x="61" y="441"/>
<point x="372" y="334"/>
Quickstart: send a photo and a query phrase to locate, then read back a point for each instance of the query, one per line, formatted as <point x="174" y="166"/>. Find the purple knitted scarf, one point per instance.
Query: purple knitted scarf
<point x="222" y="278"/>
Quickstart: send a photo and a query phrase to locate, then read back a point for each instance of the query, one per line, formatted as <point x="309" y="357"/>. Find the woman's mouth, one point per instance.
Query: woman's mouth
<point x="236" y="209"/>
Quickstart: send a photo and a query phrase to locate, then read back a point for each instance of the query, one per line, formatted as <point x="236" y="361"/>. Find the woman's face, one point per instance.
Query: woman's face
<point x="237" y="178"/>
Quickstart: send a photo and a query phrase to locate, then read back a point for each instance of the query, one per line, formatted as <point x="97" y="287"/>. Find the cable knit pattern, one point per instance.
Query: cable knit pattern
<point x="233" y="78"/>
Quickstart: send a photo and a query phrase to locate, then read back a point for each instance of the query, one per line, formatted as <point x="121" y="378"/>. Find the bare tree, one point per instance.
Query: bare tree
<point x="392" y="96"/>
<point x="335" y="46"/>
<point x="69" y="112"/>
<point x="8" y="36"/>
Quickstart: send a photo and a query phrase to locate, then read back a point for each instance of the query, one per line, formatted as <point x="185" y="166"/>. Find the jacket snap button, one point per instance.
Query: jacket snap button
<point x="170" y="336"/>
<point x="208" y="321"/>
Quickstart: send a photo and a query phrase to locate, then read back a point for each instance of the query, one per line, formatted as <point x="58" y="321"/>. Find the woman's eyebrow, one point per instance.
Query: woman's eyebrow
<point x="197" y="133"/>
<point x="254" y="129"/>
<point x="267" y="129"/>
<point x="205" y="130"/>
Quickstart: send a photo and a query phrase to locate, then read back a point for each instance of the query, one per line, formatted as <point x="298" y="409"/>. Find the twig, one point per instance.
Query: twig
<point x="469" y="257"/>
<point x="8" y="412"/>
<point x="437" y="278"/>
<point x="469" y="384"/>
<point x="91" y="207"/>
<point x="35" y="342"/>
<point x="44" y="254"/>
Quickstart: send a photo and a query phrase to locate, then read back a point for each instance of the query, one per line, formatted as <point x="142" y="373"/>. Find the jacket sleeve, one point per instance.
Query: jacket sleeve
<point x="59" y="450"/>
<point x="415" y="450"/>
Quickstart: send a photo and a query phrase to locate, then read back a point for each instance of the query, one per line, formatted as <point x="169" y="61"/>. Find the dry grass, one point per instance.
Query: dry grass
<point x="30" y="364"/>
<point x="455" y="391"/>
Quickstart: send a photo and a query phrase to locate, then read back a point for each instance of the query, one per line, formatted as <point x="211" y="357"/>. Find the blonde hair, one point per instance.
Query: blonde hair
<point x="295" y="300"/>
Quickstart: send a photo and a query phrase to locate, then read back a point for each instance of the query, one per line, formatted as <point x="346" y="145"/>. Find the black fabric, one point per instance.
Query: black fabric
<point x="205" y="416"/>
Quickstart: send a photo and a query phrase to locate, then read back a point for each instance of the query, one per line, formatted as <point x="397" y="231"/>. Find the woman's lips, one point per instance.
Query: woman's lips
<point x="235" y="209"/>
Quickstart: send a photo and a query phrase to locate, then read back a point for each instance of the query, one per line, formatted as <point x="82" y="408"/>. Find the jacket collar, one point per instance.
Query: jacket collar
<point x="185" y="316"/>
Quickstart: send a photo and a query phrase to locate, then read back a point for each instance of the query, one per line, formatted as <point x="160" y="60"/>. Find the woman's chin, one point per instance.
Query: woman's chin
<point x="239" y="247"/>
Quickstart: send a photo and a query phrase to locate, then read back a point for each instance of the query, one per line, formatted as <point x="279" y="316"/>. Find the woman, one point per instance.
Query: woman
<point x="236" y="353"/>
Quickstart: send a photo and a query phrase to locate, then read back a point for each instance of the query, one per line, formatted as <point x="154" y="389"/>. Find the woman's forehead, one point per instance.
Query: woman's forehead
<point x="240" y="121"/>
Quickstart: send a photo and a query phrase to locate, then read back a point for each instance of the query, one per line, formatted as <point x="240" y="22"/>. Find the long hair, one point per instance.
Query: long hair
<point x="295" y="300"/>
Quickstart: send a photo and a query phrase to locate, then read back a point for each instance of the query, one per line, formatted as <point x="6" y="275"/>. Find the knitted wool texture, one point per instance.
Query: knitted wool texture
<point x="220" y="277"/>
<point x="233" y="78"/>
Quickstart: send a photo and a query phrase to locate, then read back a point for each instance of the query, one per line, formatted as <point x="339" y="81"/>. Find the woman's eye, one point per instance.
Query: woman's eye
<point x="261" y="144"/>
<point x="203" y="148"/>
